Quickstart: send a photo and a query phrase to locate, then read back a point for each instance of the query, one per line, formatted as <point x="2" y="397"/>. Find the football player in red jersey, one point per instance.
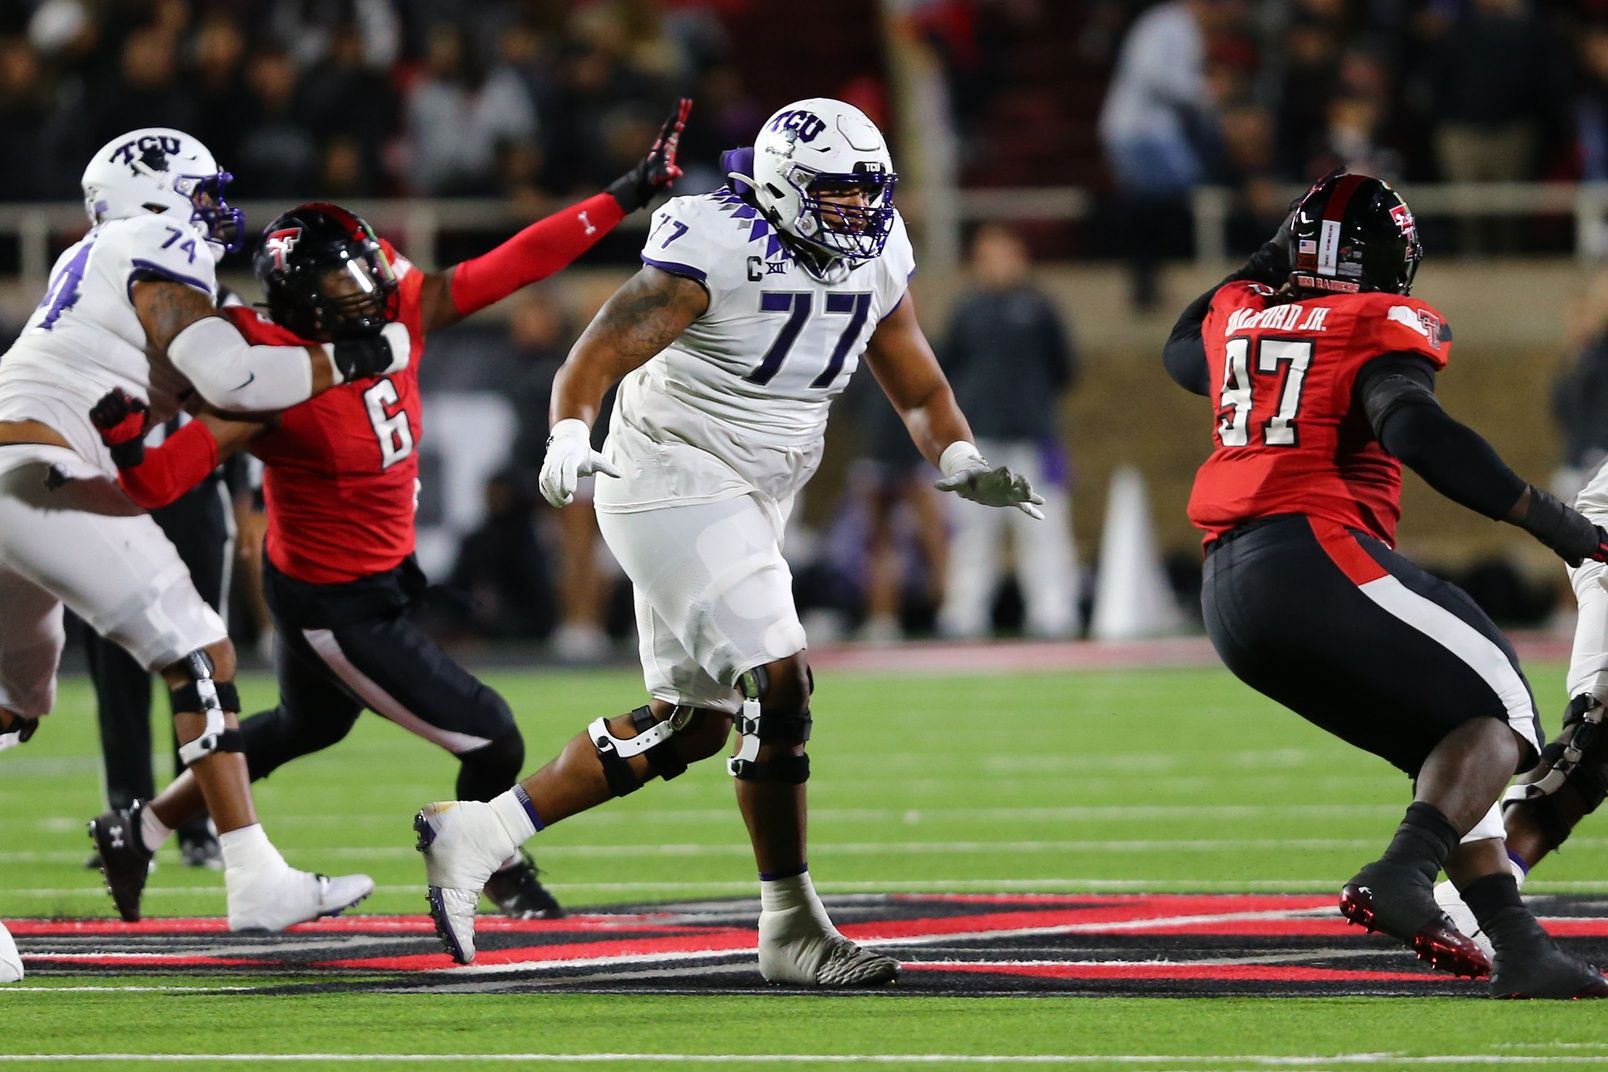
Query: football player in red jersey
<point x="1322" y="370"/>
<point x="340" y="480"/>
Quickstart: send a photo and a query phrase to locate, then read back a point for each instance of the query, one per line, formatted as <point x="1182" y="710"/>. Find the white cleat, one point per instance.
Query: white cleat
<point x="463" y="843"/>
<point x="816" y="957"/>
<point x="291" y="897"/>
<point x="10" y="959"/>
<point x="1451" y="902"/>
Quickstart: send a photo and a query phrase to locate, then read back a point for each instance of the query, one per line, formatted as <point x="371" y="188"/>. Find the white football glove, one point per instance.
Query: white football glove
<point x="968" y="474"/>
<point x="569" y="457"/>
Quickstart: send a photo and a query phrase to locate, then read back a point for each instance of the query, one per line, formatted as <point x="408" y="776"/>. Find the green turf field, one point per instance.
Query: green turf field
<point x="1152" y="780"/>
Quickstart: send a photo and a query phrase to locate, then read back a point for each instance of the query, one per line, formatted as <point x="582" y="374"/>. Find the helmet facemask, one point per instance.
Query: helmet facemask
<point x="223" y="224"/>
<point x="830" y="218"/>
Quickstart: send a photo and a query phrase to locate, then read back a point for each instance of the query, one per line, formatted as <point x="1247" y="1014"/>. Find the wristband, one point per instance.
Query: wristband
<point x="960" y="455"/>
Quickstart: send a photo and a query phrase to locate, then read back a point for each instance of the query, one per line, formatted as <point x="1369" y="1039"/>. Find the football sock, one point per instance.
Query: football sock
<point x="1517" y="866"/>
<point x="795" y="894"/>
<point x="517" y="814"/>
<point x="1423" y="840"/>
<point x="153" y="832"/>
<point x="1494" y="900"/>
<point x="248" y="850"/>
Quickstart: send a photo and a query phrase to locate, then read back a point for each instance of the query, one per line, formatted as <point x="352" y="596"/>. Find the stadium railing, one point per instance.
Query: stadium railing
<point x="40" y="229"/>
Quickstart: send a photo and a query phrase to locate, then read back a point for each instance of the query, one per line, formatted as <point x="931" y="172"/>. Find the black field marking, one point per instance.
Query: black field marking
<point x="976" y="944"/>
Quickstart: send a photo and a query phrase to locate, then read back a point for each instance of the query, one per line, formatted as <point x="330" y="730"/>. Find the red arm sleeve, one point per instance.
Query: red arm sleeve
<point x="535" y="253"/>
<point x="173" y="468"/>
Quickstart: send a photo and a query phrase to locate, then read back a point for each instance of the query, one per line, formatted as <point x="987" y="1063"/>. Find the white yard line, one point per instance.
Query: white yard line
<point x="1155" y="1061"/>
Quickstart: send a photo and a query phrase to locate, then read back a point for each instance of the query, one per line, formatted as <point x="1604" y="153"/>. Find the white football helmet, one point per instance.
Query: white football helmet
<point x="823" y="143"/>
<point x="162" y="170"/>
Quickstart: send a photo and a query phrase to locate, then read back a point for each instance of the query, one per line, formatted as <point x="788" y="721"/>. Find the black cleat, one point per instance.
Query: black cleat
<point x="1530" y="965"/>
<point x="1400" y="902"/>
<point x="517" y="892"/>
<point x="123" y="859"/>
<point x="201" y="850"/>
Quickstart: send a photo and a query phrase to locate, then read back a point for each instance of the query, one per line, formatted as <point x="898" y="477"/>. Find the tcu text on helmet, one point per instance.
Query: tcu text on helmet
<point x="144" y="146"/>
<point x="807" y="125"/>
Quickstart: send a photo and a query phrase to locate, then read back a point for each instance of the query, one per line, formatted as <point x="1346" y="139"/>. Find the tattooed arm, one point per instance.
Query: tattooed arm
<point x="182" y="324"/>
<point x="642" y="318"/>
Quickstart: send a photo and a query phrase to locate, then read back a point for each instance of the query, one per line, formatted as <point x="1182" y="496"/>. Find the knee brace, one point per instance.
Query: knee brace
<point x="211" y="698"/>
<point x="1577" y="758"/>
<point x="757" y="726"/>
<point x="653" y="739"/>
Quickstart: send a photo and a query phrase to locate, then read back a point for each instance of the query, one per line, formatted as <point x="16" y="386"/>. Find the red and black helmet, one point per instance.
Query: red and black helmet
<point x="1353" y="233"/>
<point x="324" y="274"/>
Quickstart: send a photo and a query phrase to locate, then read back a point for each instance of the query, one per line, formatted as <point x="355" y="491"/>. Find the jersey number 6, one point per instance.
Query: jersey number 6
<point x="391" y="429"/>
<point x="797" y="305"/>
<point x="1234" y="411"/>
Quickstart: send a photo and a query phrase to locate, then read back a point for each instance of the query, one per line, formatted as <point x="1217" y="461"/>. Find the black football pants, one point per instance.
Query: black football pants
<point x="1351" y="636"/>
<point x="343" y="648"/>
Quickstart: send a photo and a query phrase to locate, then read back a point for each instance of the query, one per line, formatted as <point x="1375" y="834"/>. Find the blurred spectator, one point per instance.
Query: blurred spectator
<point x="351" y="109"/>
<point x="540" y="333"/>
<point x="905" y="535"/>
<point x="501" y="569"/>
<point x="25" y="105"/>
<point x="1498" y="90"/>
<point x="149" y="93"/>
<point x="1580" y="392"/>
<point x="458" y="115"/>
<point x="1591" y="103"/>
<point x="278" y="155"/>
<point x="1009" y="360"/>
<point x="1150" y="124"/>
<point x="311" y="29"/>
<point x="218" y="78"/>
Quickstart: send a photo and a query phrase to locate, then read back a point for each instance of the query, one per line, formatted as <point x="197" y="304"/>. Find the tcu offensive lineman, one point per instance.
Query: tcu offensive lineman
<point x="340" y="477"/>
<point x="132" y="306"/>
<point x="752" y="309"/>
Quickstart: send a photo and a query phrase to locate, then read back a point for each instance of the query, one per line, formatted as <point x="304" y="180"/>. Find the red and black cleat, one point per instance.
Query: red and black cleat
<point x="1437" y="942"/>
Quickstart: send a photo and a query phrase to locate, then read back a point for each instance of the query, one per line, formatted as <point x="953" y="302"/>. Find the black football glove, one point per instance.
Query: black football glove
<point x="1570" y="534"/>
<point x="122" y="420"/>
<point x="358" y="359"/>
<point x="658" y="170"/>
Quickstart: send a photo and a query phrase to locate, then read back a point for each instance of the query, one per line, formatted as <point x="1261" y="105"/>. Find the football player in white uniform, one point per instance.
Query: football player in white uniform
<point x="1543" y="806"/>
<point x="132" y="306"/>
<point x="753" y="307"/>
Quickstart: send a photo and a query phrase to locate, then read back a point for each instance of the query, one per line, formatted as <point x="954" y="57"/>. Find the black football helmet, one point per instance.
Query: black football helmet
<point x="1353" y="233"/>
<point x="325" y="275"/>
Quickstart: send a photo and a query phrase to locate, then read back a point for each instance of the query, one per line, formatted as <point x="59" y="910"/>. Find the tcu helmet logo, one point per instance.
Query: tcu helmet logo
<point x="280" y="243"/>
<point x="152" y="150"/>
<point x="1403" y="217"/>
<point x="807" y="125"/>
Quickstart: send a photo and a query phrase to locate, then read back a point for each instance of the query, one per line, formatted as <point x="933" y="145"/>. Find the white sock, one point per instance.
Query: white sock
<point x="794" y="894"/>
<point x="510" y="810"/>
<point x="248" y="850"/>
<point x="153" y="832"/>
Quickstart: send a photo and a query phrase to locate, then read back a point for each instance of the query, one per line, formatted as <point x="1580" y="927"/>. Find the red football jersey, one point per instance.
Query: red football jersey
<point x="341" y="470"/>
<point x="1287" y="438"/>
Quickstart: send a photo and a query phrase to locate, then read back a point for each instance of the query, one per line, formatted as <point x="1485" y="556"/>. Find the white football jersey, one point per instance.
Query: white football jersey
<point x="85" y="339"/>
<point x="738" y="404"/>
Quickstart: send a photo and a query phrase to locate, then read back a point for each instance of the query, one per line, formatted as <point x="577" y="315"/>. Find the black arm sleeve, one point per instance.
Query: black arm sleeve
<point x="1184" y="354"/>
<point x="1397" y="391"/>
